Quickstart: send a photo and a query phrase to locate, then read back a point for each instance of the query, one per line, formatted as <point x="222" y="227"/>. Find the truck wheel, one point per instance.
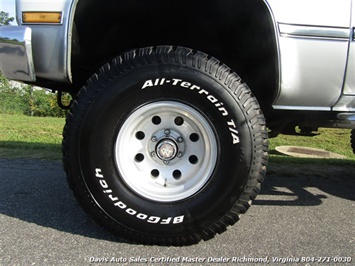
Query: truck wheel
<point x="165" y="145"/>
<point x="353" y="140"/>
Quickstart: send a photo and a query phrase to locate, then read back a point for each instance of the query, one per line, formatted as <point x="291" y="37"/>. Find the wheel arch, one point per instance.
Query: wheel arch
<point x="239" y="33"/>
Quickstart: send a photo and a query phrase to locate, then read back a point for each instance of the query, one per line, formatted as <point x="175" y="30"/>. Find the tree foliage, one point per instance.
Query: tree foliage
<point x="27" y="100"/>
<point x="5" y="19"/>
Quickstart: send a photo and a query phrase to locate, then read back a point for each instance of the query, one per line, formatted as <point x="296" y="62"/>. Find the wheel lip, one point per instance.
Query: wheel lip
<point x="196" y="179"/>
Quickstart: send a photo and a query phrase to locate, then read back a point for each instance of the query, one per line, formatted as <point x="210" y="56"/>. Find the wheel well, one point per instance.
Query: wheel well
<point x="240" y="33"/>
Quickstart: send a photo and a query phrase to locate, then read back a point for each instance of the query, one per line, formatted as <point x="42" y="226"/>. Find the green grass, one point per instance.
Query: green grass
<point x="30" y="137"/>
<point x="333" y="140"/>
<point x="40" y="137"/>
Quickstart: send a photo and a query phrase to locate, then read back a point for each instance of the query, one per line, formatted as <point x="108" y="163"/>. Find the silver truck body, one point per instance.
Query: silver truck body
<point x="316" y="40"/>
<point x="315" y="50"/>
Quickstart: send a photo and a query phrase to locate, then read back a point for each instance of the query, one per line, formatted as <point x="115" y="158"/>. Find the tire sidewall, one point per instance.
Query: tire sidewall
<point x="107" y="112"/>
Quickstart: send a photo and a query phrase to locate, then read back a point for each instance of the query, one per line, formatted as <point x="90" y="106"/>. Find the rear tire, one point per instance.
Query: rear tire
<point x="165" y="146"/>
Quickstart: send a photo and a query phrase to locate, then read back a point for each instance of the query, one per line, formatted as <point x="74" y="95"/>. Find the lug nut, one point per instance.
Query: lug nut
<point x="154" y="139"/>
<point x="167" y="132"/>
<point x="180" y="139"/>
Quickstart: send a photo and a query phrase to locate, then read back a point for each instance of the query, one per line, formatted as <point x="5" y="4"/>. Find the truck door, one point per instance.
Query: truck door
<point x="313" y="48"/>
<point x="346" y="103"/>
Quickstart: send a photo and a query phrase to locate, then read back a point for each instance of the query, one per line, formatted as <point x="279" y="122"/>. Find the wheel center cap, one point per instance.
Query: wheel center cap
<point x="167" y="150"/>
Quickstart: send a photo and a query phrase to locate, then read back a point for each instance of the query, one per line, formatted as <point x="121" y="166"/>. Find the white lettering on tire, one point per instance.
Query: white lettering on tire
<point x="130" y="211"/>
<point x="187" y="85"/>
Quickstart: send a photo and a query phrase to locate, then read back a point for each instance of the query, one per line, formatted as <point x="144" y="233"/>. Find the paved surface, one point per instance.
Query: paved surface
<point x="297" y="215"/>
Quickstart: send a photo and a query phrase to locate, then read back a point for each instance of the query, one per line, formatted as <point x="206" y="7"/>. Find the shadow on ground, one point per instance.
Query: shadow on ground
<point x="306" y="184"/>
<point x="36" y="191"/>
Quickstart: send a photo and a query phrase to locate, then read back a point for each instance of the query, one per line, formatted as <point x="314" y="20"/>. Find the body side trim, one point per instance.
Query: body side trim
<point x="301" y="108"/>
<point x="318" y="32"/>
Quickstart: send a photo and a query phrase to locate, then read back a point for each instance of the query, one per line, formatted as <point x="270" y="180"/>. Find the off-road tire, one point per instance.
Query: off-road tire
<point x="165" y="145"/>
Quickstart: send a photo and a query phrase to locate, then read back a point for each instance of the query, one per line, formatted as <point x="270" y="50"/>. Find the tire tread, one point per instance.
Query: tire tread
<point x="182" y="56"/>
